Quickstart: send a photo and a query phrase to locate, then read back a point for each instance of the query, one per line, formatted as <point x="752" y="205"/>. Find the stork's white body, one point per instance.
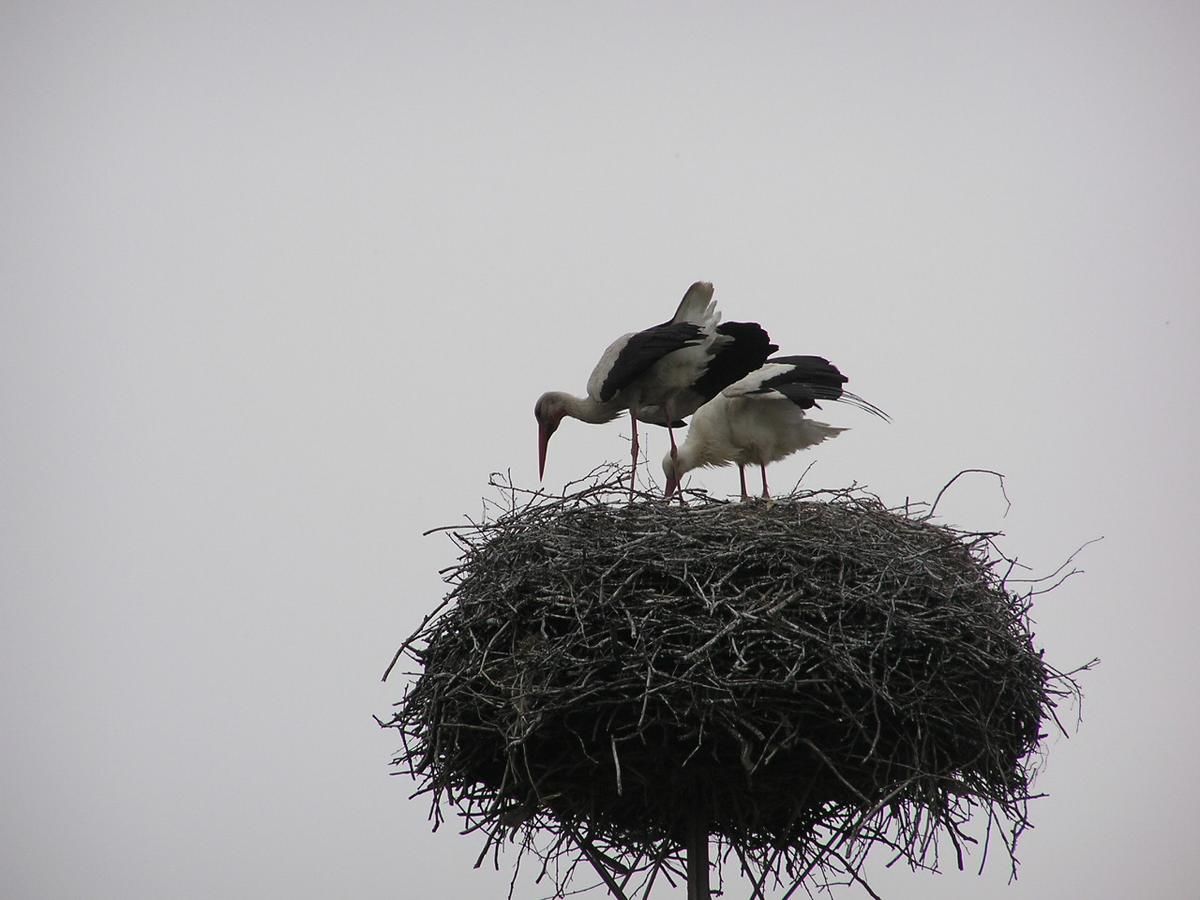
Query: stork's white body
<point x="749" y="430"/>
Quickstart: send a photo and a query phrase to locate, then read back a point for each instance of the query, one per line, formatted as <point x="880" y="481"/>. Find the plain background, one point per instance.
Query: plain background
<point x="280" y="283"/>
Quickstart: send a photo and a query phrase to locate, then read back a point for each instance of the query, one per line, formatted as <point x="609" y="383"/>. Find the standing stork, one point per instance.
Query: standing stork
<point x="761" y="419"/>
<point x="661" y="374"/>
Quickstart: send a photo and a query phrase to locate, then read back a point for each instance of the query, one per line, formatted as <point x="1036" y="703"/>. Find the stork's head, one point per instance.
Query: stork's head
<point x="549" y="411"/>
<point x="673" y="472"/>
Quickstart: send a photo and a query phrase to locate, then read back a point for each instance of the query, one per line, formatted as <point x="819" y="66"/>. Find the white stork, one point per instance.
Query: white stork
<point x="761" y="419"/>
<point x="661" y="374"/>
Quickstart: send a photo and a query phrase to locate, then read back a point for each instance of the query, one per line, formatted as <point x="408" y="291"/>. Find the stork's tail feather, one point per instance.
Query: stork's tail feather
<point x="698" y="306"/>
<point x="819" y="432"/>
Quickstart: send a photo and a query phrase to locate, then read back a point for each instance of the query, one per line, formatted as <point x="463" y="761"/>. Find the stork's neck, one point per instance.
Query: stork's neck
<point x="689" y="456"/>
<point x="697" y="451"/>
<point x="586" y="409"/>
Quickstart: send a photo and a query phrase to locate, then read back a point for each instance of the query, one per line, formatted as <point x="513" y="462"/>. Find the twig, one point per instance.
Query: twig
<point x="1004" y="493"/>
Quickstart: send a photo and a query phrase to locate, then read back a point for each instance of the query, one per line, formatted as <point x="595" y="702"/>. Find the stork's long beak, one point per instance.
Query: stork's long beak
<point x="672" y="486"/>
<point x="543" y="442"/>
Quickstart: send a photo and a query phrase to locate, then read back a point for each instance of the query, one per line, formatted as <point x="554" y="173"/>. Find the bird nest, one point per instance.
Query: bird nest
<point x="803" y="680"/>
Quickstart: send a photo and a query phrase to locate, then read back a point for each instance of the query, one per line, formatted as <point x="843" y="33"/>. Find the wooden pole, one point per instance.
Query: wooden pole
<point x="697" y="859"/>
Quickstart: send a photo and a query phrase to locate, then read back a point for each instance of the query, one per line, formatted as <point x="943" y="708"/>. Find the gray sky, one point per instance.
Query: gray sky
<point x="279" y="285"/>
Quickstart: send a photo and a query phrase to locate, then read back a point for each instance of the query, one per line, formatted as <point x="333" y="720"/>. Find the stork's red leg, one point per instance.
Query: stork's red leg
<point x="742" y="479"/>
<point x="633" y="454"/>
<point x="675" y="468"/>
<point x="766" y="493"/>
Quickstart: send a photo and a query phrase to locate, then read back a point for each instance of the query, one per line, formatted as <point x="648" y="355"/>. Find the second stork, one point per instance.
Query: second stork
<point x="762" y="418"/>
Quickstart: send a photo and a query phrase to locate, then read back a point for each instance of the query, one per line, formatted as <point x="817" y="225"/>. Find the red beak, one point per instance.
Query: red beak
<point x="672" y="484"/>
<point x="543" y="442"/>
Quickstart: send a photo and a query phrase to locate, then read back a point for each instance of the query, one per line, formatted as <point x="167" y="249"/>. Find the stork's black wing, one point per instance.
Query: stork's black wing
<point x="734" y="359"/>
<point x="642" y="350"/>
<point x="804" y="380"/>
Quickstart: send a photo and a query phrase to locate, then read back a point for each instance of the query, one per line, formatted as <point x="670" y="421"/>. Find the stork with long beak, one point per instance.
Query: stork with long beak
<point x="662" y="374"/>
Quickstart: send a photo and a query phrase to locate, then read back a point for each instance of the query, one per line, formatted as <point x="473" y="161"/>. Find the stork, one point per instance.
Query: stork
<point x="661" y="374"/>
<point x="762" y="418"/>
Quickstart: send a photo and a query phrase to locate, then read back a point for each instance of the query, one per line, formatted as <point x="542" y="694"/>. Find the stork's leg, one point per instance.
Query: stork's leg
<point x="633" y="453"/>
<point x="766" y="493"/>
<point x="742" y="479"/>
<point x="675" y="460"/>
<point x="674" y="450"/>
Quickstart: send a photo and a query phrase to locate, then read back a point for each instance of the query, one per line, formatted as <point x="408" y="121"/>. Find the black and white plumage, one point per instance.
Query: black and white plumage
<point x="661" y="374"/>
<point x="762" y="418"/>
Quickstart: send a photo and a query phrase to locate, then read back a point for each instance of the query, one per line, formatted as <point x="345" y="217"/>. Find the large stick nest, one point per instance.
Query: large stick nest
<point x="808" y="678"/>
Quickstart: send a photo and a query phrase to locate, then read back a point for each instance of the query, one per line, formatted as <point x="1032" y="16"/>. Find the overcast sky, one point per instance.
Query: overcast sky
<point x="280" y="283"/>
